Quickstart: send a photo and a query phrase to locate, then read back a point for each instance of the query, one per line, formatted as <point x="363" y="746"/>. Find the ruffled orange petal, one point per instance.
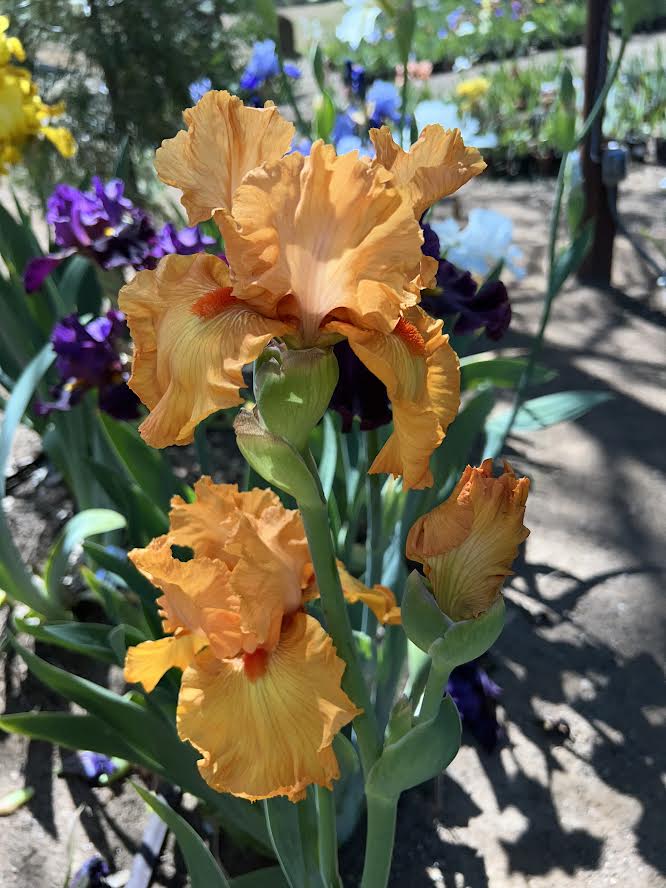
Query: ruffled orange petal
<point x="191" y="341"/>
<point x="316" y="235"/>
<point x="211" y="521"/>
<point x="265" y="725"/>
<point x="223" y="141"/>
<point x="468" y="543"/>
<point x="422" y="377"/>
<point x="379" y="599"/>
<point x="436" y="165"/>
<point x="147" y="662"/>
<point x="197" y="596"/>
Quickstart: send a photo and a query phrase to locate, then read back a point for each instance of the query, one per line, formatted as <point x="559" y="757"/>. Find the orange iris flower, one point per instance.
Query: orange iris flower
<point x="261" y="696"/>
<point x="319" y="248"/>
<point x="468" y="543"/>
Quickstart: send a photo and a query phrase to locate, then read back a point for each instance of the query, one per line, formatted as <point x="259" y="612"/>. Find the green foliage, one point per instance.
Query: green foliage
<point x="201" y="866"/>
<point x="134" y="63"/>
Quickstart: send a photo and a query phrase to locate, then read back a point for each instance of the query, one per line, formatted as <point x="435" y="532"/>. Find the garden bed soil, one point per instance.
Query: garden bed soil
<point x="572" y="799"/>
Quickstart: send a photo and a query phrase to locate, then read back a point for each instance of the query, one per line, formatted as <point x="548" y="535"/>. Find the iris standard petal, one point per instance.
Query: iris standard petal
<point x="224" y="140"/>
<point x="191" y="341"/>
<point x="321" y="235"/>
<point x="265" y="723"/>
<point x="436" y="165"/>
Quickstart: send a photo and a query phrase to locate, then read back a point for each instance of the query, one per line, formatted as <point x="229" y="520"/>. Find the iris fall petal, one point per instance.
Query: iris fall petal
<point x="191" y="341"/>
<point x="265" y="727"/>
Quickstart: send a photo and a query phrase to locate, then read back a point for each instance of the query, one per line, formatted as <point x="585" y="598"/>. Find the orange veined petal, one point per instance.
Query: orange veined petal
<point x="147" y="662"/>
<point x="211" y="521"/>
<point x="191" y="341"/>
<point x="380" y="599"/>
<point x="224" y="140"/>
<point x="265" y="725"/>
<point x="253" y="526"/>
<point x="422" y="377"/>
<point x="197" y="596"/>
<point x="436" y="165"/>
<point x="468" y="543"/>
<point x="321" y="235"/>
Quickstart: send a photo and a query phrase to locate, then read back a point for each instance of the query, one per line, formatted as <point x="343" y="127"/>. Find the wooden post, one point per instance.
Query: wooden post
<point x="596" y="267"/>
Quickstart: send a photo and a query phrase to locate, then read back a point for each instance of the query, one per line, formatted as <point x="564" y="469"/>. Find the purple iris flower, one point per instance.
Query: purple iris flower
<point x="516" y="9"/>
<point x="90" y="765"/>
<point x="104" y="224"/>
<point x="92" y="874"/>
<point x="457" y="293"/>
<point x="454" y="17"/>
<point x="184" y="242"/>
<point x="199" y="88"/>
<point x="263" y="65"/>
<point x="355" y="79"/>
<point x="358" y="394"/>
<point x="383" y="100"/>
<point x="301" y="145"/>
<point x="89" y="357"/>
<point x="475" y="695"/>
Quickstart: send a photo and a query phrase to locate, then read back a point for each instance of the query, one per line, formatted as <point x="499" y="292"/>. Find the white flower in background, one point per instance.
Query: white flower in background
<point x="359" y="23"/>
<point x="482" y="244"/>
<point x="446" y="114"/>
<point x="528" y="27"/>
<point x="466" y="29"/>
<point x="461" y="63"/>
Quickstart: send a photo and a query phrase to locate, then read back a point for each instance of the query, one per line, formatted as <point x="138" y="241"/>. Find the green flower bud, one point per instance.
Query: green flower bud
<point x="275" y="459"/>
<point x="422" y="618"/>
<point x="293" y="388"/>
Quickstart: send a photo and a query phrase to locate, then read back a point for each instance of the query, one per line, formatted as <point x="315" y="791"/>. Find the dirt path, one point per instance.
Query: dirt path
<point x="583" y="643"/>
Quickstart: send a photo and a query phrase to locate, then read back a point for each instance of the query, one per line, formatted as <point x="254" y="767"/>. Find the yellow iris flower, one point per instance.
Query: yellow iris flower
<point x="319" y="248"/>
<point x="468" y="543"/>
<point x="23" y="115"/>
<point x="261" y="695"/>
<point x="473" y="89"/>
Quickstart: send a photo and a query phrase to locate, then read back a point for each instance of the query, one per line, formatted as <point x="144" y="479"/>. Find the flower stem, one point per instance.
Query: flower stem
<point x="373" y="489"/>
<point x="379" y="841"/>
<point x="315" y="520"/>
<point x="328" y="839"/>
<point x="438" y="677"/>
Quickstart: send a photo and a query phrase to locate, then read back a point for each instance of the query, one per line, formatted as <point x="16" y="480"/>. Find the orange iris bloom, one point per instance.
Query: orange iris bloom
<point x="319" y="248"/>
<point x="261" y="696"/>
<point x="468" y="543"/>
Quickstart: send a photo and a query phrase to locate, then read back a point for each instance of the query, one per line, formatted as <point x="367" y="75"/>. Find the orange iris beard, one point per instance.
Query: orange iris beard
<point x="319" y="248"/>
<point x="261" y="696"/>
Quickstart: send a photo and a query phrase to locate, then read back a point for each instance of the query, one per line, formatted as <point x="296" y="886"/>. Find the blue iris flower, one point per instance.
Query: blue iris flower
<point x="263" y="65"/>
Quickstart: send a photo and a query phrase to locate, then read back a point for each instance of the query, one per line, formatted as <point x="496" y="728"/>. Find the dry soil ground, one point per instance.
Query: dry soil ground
<point x="583" y="642"/>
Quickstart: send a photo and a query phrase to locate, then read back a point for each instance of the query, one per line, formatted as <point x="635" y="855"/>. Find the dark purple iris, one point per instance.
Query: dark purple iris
<point x="476" y="694"/>
<point x="355" y="79"/>
<point x="92" y="874"/>
<point x="104" y="224"/>
<point x="486" y="307"/>
<point x="89" y="356"/>
<point x="358" y="393"/>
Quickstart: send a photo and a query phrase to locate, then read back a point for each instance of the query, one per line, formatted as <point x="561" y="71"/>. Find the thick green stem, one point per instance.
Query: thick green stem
<point x="373" y="489"/>
<point x="434" y="691"/>
<point x="315" y="520"/>
<point x="379" y="841"/>
<point x="327" y="838"/>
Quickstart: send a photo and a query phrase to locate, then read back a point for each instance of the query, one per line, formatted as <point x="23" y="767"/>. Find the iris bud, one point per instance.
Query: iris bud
<point x="293" y="388"/>
<point x="275" y="459"/>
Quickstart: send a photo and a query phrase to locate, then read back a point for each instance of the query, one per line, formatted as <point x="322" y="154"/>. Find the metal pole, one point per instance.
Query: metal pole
<point x="596" y="267"/>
